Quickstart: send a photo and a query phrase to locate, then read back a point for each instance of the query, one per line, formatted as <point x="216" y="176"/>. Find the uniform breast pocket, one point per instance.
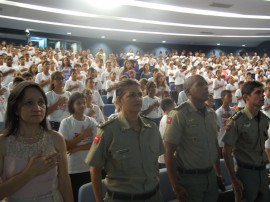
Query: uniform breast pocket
<point x="193" y="139"/>
<point x="192" y="133"/>
<point x="121" y="158"/>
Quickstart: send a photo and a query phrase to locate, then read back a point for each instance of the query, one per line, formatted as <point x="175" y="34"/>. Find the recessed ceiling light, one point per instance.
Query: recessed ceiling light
<point x="163" y="41"/>
<point x="103" y="37"/>
<point x="218" y="44"/>
<point x="134" y="40"/>
<point x="69" y="33"/>
<point x="243" y="45"/>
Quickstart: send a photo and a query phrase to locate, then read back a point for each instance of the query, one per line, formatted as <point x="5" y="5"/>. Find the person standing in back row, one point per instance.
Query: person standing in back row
<point x="191" y="147"/>
<point x="245" y="138"/>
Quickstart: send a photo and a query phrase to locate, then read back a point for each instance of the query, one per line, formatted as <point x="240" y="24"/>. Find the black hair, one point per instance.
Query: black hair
<point x="249" y="86"/>
<point x="72" y="99"/>
<point x="225" y="92"/>
<point x="166" y="103"/>
<point x="14" y="100"/>
<point x="123" y="84"/>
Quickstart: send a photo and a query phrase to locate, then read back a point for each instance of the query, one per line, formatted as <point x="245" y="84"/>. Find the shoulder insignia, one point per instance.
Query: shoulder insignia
<point x="108" y="122"/>
<point x="169" y="120"/>
<point x="181" y="106"/>
<point x="234" y="117"/>
<point x="97" y="138"/>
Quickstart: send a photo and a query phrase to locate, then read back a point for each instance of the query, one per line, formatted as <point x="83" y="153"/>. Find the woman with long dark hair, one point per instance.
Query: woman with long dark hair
<point x="33" y="162"/>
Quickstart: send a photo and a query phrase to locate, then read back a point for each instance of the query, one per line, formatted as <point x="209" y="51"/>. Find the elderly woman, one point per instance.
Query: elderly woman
<point x="127" y="147"/>
<point x="33" y="161"/>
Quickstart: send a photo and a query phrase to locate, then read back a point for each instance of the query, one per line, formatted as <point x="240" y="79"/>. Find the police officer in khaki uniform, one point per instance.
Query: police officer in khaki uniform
<point x="246" y="134"/>
<point x="191" y="147"/>
<point x="128" y="147"/>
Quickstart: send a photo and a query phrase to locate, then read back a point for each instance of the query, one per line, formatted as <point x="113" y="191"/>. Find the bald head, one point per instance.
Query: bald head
<point x="190" y="81"/>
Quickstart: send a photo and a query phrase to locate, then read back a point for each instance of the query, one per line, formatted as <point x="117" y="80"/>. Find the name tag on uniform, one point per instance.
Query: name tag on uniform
<point x="122" y="151"/>
<point x="247" y="125"/>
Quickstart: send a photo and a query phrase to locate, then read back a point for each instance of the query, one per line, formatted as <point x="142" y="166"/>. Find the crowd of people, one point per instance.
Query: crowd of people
<point x="51" y="108"/>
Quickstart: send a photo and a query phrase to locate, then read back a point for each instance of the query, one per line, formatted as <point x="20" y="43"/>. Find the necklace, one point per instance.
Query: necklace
<point x="28" y="140"/>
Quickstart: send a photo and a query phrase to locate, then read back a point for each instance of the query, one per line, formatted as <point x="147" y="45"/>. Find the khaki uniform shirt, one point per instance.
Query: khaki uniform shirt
<point x="129" y="158"/>
<point x="248" y="135"/>
<point x="195" y="135"/>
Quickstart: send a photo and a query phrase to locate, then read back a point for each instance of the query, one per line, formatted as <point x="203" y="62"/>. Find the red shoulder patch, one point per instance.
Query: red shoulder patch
<point x="169" y="120"/>
<point x="97" y="138"/>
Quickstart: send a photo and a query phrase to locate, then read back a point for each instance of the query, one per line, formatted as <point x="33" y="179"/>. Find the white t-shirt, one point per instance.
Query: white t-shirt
<point x="182" y="97"/>
<point x="221" y="121"/>
<point x="162" y="127"/>
<point x="41" y="76"/>
<point x="9" y="77"/>
<point x="62" y="111"/>
<point x="171" y="71"/>
<point x="267" y="142"/>
<point x="210" y="86"/>
<point x="232" y="87"/>
<point x="217" y="92"/>
<point x="108" y="84"/>
<point x="179" y="77"/>
<point x="105" y="76"/>
<point x="266" y="103"/>
<point x="98" y="116"/>
<point x="96" y="99"/>
<point x="70" y="128"/>
<point x="147" y="101"/>
<point x="3" y="104"/>
<point x="72" y="83"/>
<point x="241" y="103"/>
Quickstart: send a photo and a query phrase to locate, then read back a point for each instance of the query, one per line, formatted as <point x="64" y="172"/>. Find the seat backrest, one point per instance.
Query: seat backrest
<point x="104" y="99"/>
<point x="108" y="109"/>
<point x="86" y="193"/>
<point x="165" y="185"/>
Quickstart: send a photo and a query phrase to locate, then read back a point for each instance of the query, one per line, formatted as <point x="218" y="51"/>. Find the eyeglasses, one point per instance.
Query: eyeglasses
<point x="59" y="78"/>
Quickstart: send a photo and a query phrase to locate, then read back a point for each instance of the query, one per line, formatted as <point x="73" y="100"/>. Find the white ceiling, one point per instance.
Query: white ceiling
<point x="250" y="24"/>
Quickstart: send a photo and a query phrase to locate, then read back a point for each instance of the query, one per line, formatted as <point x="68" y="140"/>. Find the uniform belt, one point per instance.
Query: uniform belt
<point x="132" y="197"/>
<point x="251" y="167"/>
<point x="195" y="171"/>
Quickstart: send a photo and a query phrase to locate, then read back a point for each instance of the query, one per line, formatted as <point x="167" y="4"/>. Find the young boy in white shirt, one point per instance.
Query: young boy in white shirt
<point x="110" y="87"/>
<point x="167" y="104"/>
<point x="73" y="85"/>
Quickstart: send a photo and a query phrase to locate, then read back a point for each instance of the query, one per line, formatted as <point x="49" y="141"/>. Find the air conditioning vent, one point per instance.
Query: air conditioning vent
<point x="220" y="5"/>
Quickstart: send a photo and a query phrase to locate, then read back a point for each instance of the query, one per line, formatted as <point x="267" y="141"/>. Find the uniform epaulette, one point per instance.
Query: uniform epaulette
<point x="108" y="122"/>
<point x="148" y="119"/>
<point x="180" y="106"/>
<point x="230" y="120"/>
<point x="236" y="115"/>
